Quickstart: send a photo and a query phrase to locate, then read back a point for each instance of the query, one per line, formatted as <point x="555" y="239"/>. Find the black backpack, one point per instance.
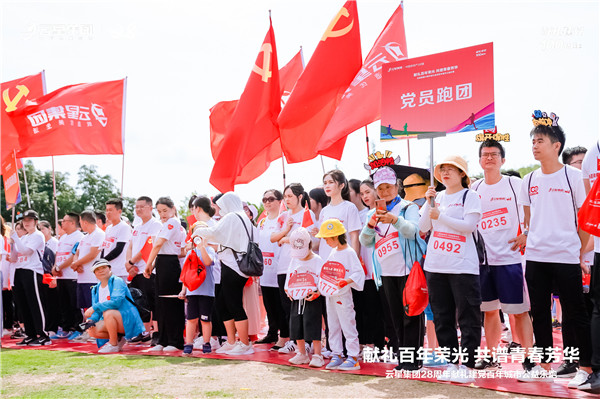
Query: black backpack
<point x="140" y="303"/>
<point x="250" y="262"/>
<point x="48" y="259"/>
<point x="478" y="238"/>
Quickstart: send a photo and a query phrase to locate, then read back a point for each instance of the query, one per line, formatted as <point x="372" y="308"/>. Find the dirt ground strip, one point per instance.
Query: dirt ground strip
<point x="229" y="379"/>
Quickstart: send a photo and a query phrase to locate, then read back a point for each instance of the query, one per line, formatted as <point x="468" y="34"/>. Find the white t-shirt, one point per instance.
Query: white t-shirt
<point x="553" y="234"/>
<point x="140" y="235"/>
<point x="301" y="275"/>
<point x="284" y="254"/>
<point x="387" y="247"/>
<point x="366" y="253"/>
<point x="590" y="168"/>
<point x="4" y="264"/>
<point x="103" y="294"/>
<point x="499" y="218"/>
<point x="171" y="231"/>
<point x="449" y="250"/>
<point x="52" y="243"/>
<point x="89" y="241"/>
<point x="347" y="213"/>
<point x="353" y="270"/>
<point x="270" y="251"/>
<point x="120" y="232"/>
<point x="65" y="246"/>
<point x="33" y="261"/>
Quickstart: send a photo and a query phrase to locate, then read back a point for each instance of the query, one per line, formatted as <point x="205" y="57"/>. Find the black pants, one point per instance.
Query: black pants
<point x="275" y="314"/>
<point x="218" y="328"/>
<point x="367" y="303"/>
<point x="286" y="304"/>
<point x="169" y="311"/>
<point x="146" y="285"/>
<point x="455" y="296"/>
<point x="28" y="296"/>
<point x="388" y="326"/>
<point x="595" y="324"/>
<point x="409" y="329"/>
<point x="230" y="300"/>
<point x="539" y="276"/>
<point x="8" y="308"/>
<point x="69" y="313"/>
<point x="51" y="307"/>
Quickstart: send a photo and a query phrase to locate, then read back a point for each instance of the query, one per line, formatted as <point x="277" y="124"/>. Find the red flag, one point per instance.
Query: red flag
<point x="85" y="118"/>
<point x="12" y="189"/>
<point x="146" y="249"/>
<point x="361" y="103"/>
<point x="306" y="218"/>
<point x="282" y="207"/>
<point x="14" y="95"/>
<point x="253" y="126"/>
<point x="222" y="112"/>
<point x="319" y="90"/>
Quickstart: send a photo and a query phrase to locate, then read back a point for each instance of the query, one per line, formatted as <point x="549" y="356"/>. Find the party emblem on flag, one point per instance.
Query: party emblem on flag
<point x="378" y="160"/>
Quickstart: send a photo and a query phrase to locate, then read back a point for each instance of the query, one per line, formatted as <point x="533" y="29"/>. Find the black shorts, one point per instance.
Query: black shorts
<point x="306" y="323"/>
<point x="200" y="307"/>
<point x="84" y="295"/>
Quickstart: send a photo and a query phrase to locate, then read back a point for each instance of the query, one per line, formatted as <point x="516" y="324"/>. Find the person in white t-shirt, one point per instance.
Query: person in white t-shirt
<point x="340" y="273"/>
<point x="118" y="234"/>
<point x="296" y="199"/>
<point x="140" y="245"/>
<point x="49" y="290"/>
<point x="452" y="264"/>
<point x="28" y="280"/>
<point x="88" y="251"/>
<point x="551" y="197"/>
<point x="166" y="250"/>
<point x="591" y="171"/>
<point x="66" y="278"/>
<point x="268" y="281"/>
<point x="503" y="282"/>
<point x="393" y="232"/>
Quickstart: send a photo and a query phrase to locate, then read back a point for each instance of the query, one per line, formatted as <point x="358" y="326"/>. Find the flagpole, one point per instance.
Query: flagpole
<point x="408" y="147"/>
<point x="122" y="173"/>
<point x="26" y="187"/>
<point x="322" y="164"/>
<point x="431" y="168"/>
<point x="54" y="197"/>
<point x="283" y="166"/>
<point x="13" y="216"/>
<point x="367" y="137"/>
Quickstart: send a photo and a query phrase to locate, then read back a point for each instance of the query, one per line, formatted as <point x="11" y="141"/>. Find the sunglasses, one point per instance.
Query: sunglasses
<point x="414" y="185"/>
<point x="268" y="199"/>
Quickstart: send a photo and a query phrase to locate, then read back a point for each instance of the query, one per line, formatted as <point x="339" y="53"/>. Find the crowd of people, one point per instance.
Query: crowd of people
<point x="336" y="262"/>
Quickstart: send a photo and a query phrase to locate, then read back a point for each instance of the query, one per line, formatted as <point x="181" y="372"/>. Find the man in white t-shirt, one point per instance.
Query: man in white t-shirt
<point x="551" y="197"/>
<point x="502" y="283"/>
<point x="590" y="169"/>
<point x="118" y="234"/>
<point x="88" y="251"/>
<point x="70" y="314"/>
<point x="138" y="248"/>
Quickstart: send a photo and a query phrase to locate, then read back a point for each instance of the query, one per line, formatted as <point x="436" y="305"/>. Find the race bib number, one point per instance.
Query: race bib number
<point x="301" y="284"/>
<point x="331" y="273"/>
<point x="448" y="244"/>
<point x="108" y="242"/>
<point x="22" y="258"/>
<point x="61" y="257"/>
<point x="387" y="246"/>
<point x="268" y="258"/>
<point x="494" y="220"/>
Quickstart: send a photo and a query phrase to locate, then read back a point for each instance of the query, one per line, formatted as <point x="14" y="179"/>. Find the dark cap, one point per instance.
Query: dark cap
<point x="31" y="214"/>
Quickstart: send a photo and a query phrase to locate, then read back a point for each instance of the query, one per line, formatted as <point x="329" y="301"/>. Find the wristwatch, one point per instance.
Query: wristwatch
<point x="526" y="232"/>
<point x="131" y="263"/>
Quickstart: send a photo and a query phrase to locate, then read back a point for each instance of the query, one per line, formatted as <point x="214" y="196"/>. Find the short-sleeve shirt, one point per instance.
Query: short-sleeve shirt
<point x="347" y="213"/>
<point x="553" y="200"/>
<point x="270" y="251"/>
<point x="171" y="232"/>
<point x="284" y="254"/>
<point x="89" y="241"/>
<point x="114" y="234"/>
<point x="590" y="169"/>
<point x="65" y="246"/>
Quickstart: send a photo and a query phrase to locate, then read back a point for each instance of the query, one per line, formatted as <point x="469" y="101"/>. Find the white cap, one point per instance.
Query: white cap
<point x="300" y="241"/>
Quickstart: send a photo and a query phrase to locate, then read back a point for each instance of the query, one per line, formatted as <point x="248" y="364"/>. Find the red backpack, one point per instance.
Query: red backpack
<point x="193" y="271"/>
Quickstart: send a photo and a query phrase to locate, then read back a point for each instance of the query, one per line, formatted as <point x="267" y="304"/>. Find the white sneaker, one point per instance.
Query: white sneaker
<point x="463" y="375"/>
<point x="84" y="337"/>
<point x="447" y="373"/>
<point x="300" y="358"/>
<point x="214" y="344"/>
<point x="579" y="379"/>
<point x="6" y="332"/>
<point x="308" y="348"/>
<point x="241" y="349"/>
<point x="121" y="343"/>
<point x="170" y="348"/>
<point x="108" y="348"/>
<point x="536" y="374"/>
<point x="317" y="361"/>
<point x="198" y="342"/>
<point x="226" y="347"/>
<point x="289" y="347"/>
<point x="156" y="348"/>
<point x="326" y="354"/>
